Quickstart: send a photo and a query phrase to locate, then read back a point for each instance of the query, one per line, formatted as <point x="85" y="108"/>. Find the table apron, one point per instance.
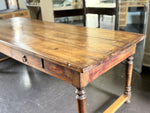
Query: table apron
<point x="77" y="79"/>
<point x="38" y="62"/>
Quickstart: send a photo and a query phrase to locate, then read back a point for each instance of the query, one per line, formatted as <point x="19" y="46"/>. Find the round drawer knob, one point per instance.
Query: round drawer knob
<point x="24" y="58"/>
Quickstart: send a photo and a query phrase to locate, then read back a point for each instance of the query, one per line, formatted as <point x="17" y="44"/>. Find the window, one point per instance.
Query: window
<point x="12" y="4"/>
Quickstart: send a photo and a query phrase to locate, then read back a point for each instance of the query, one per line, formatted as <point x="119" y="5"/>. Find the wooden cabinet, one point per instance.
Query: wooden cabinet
<point x="124" y="5"/>
<point x="18" y="13"/>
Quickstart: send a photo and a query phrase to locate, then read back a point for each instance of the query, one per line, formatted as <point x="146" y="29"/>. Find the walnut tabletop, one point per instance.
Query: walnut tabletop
<point x="77" y="55"/>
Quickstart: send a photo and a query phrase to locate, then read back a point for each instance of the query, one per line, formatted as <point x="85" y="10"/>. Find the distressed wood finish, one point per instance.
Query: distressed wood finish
<point x="74" y="54"/>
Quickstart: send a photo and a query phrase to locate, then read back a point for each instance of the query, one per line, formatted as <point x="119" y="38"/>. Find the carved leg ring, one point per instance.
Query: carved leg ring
<point x="129" y="78"/>
<point x="81" y="100"/>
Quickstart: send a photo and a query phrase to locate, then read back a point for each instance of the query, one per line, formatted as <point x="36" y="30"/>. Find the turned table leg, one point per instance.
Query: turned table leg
<point x="129" y="78"/>
<point x="81" y="100"/>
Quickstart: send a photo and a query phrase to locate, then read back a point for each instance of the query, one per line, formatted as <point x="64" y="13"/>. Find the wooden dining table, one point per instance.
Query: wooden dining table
<point x="74" y="54"/>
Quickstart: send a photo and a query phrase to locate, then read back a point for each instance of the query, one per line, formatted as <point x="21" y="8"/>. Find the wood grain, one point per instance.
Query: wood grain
<point x="82" y="48"/>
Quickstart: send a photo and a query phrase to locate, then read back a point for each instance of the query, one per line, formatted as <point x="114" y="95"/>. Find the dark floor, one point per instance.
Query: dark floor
<point x="26" y="90"/>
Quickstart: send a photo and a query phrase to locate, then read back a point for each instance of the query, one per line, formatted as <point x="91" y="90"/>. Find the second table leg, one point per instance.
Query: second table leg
<point x="129" y="78"/>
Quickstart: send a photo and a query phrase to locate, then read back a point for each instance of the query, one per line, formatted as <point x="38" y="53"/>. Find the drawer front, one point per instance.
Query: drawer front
<point x="49" y="66"/>
<point x="26" y="58"/>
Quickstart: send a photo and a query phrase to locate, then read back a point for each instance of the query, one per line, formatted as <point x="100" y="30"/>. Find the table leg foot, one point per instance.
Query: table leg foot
<point x="128" y="93"/>
<point x="81" y="100"/>
<point x="129" y="78"/>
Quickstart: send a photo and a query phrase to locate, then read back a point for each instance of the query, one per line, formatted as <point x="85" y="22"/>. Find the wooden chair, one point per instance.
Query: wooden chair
<point x="102" y="11"/>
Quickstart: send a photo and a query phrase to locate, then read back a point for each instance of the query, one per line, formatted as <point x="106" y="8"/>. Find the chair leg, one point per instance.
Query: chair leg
<point x="102" y="17"/>
<point x="129" y="78"/>
<point x="99" y="21"/>
<point x="81" y="100"/>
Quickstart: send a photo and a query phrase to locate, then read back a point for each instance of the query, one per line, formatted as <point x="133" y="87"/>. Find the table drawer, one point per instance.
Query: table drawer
<point x="26" y="58"/>
<point x="49" y="66"/>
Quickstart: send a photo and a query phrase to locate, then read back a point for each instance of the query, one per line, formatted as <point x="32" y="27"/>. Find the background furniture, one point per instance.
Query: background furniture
<point x="41" y="9"/>
<point x="35" y="11"/>
<point x="9" y="13"/>
<point x="34" y="8"/>
<point x="104" y="9"/>
<point x="124" y="6"/>
<point x="14" y="13"/>
<point x="119" y="8"/>
<point x="69" y="11"/>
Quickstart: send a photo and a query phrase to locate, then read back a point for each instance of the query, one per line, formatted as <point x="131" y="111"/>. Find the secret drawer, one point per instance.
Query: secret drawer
<point x="26" y="58"/>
